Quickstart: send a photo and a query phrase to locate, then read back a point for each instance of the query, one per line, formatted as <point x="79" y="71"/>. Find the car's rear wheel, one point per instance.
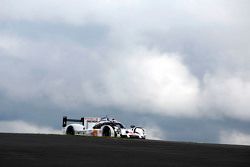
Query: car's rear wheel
<point x="106" y="131"/>
<point x="70" y="131"/>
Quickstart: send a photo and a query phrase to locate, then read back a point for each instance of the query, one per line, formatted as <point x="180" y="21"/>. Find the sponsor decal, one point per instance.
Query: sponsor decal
<point x="94" y="132"/>
<point x="92" y="119"/>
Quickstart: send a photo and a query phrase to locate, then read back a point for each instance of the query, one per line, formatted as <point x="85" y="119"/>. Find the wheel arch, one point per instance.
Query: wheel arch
<point x="111" y="131"/>
<point x="76" y="128"/>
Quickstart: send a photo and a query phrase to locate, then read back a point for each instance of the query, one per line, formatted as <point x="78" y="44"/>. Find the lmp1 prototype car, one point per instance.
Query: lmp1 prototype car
<point x="94" y="126"/>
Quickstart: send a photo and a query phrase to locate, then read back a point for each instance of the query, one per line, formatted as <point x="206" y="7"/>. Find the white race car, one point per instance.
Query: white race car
<point x="94" y="126"/>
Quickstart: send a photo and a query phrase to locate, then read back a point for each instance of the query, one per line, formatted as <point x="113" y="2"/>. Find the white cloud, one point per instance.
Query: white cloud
<point x="141" y="80"/>
<point x="10" y="44"/>
<point x="234" y="137"/>
<point x="227" y="95"/>
<point x="148" y="81"/>
<point x="73" y="12"/>
<point x="131" y="77"/>
<point x="18" y="126"/>
<point x="126" y="12"/>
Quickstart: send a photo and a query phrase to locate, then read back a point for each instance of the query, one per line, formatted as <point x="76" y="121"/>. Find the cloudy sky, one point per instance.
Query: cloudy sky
<point x="179" y="68"/>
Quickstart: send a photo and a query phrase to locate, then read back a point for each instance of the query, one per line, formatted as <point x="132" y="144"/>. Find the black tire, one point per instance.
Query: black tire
<point x="123" y="136"/>
<point x="106" y="131"/>
<point x="70" y="131"/>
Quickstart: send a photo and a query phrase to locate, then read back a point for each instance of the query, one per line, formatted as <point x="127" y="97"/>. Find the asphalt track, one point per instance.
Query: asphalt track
<point x="59" y="150"/>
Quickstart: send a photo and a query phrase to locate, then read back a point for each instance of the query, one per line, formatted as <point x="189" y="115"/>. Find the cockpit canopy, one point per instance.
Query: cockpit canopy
<point x="112" y="124"/>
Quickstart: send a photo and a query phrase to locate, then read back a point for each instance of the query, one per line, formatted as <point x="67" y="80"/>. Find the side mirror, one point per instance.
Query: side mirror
<point x="132" y="126"/>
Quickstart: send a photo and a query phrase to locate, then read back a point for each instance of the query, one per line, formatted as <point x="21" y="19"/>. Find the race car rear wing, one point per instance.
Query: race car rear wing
<point x="65" y="120"/>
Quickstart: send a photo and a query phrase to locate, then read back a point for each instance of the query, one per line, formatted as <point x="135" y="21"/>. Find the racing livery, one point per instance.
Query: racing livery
<point x="95" y="126"/>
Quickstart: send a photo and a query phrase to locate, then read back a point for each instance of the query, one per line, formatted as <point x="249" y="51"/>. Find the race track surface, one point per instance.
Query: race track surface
<point x="59" y="150"/>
